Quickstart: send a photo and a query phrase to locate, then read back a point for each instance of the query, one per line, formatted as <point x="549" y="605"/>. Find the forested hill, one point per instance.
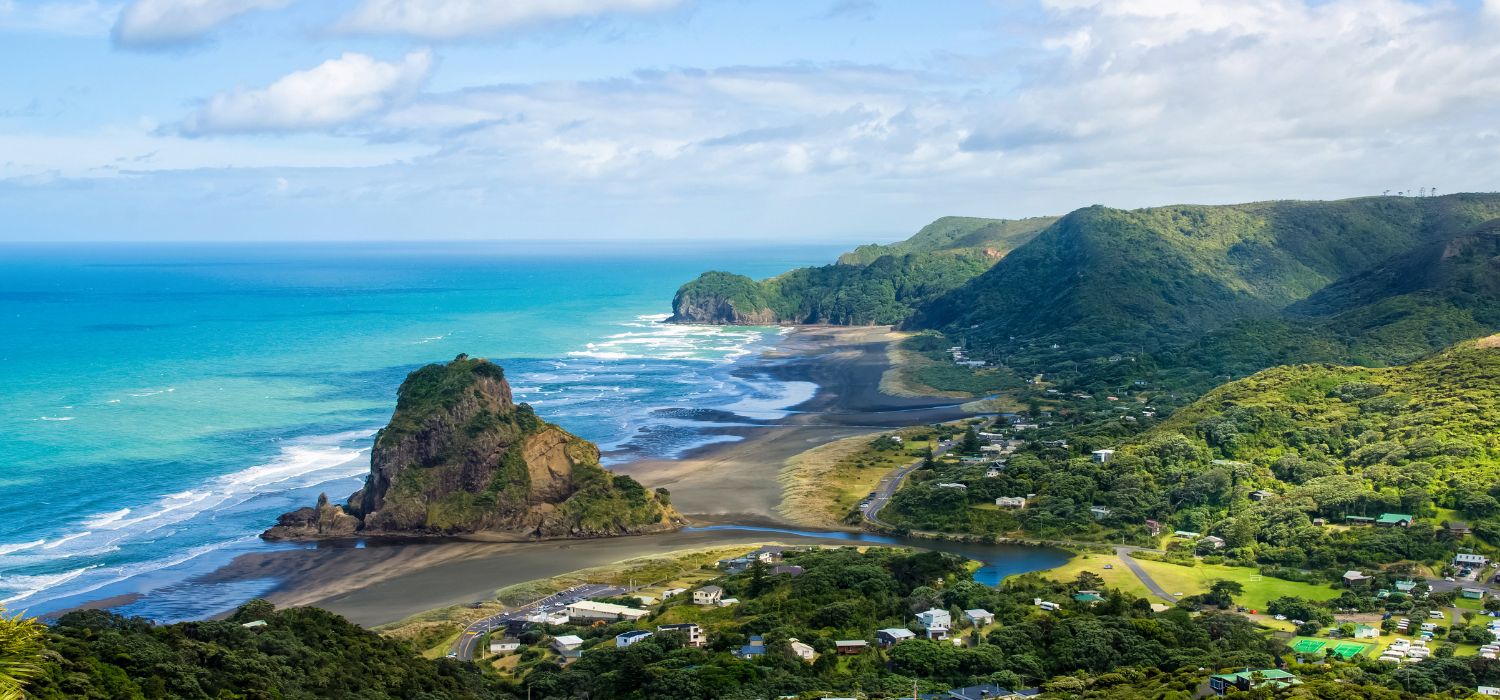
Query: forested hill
<point x="1106" y="281"/>
<point x="873" y="284"/>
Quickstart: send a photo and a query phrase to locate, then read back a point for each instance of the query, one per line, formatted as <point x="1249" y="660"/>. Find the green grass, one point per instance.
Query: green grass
<point x="1332" y="647"/>
<point x="1197" y="579"/>
<point x="1308" y="646"/>
<point x="1120" y="577"/>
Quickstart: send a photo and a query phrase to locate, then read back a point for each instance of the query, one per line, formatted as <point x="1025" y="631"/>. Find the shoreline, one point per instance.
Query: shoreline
<point x="375" y="582"/>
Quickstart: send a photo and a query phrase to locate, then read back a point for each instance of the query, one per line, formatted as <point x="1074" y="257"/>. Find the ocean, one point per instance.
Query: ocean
<point x="162" y="404"/>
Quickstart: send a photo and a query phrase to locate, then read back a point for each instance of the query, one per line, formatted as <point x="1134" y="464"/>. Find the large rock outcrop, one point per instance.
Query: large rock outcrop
<point x="459" y="457"/>
<point x="723" y="299"/>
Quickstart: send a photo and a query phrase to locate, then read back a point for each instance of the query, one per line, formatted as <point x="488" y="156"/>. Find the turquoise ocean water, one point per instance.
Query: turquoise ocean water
<point x="162" y="404"/>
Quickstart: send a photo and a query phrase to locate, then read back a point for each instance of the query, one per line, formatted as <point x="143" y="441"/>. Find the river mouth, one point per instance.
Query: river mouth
<point x="998" y="561"/>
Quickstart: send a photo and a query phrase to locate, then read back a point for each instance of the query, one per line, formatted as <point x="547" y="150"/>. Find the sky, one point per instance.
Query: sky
<point x="718" y="120"/>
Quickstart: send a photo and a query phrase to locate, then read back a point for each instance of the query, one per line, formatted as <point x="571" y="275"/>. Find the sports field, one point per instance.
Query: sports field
<point x="1341" y="649"/>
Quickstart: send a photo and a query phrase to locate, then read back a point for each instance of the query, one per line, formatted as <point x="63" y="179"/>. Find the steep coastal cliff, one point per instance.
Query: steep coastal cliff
<point x="460" y="457"/>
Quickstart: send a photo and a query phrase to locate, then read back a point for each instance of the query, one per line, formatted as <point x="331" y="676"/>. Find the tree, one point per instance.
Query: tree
<point x="970" y="444"/>
<point x="20" y="653"/>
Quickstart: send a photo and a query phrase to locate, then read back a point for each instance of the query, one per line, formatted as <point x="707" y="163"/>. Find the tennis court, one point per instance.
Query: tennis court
<point x="1349" y="650"/>
<point x="1308" y="646"/>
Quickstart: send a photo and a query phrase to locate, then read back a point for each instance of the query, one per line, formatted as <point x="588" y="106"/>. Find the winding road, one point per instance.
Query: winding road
<point x="467" y="644"/>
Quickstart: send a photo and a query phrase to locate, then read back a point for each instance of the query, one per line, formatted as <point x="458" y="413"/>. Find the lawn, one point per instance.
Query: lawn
<point x="1119" y="577"/>
<point x="1341" y="647"/>
<point x="1259" y="590"/>
<point x="822" y="486"/>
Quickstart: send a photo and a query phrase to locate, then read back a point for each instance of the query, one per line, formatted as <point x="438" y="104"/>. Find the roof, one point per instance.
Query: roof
<point x="1354" y="574"/>
<point x="1393" y="518"/>
<point x="979" y="612"/>
<point x="710" y="590"/>
<point x="633" y="634"/>
<point x="607" y="608"/>
<point x="898" y="632"/>
<point x="851" y="643"/>
<point x="1266" y="674"/>
<point x="1469" y="557"/>
<point x="569" y="640"/>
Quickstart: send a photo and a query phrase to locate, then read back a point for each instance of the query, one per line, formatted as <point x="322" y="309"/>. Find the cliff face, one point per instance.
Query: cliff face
<point x="460" y="457"/>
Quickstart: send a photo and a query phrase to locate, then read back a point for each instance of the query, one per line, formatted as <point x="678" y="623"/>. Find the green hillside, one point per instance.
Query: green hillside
<point x="872" y="285"/>
<point x="1104" y="281"/>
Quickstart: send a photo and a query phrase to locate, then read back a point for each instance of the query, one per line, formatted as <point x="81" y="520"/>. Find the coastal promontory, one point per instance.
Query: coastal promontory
<point x="460" y="457"/>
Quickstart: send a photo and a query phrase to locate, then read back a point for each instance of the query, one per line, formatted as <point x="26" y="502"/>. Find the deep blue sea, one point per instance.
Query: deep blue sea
<point x="161" y="404"/>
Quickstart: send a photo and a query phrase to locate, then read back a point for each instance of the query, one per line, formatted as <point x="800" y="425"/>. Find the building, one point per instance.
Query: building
<point x="1458" y="529"/>
<point x="891" y="636"/>
<point x="507" y="645"/>
<point x="1011" y="501"/>
<point x="1099" y="512"/>
<point x="694" y="633"/>
<point x="254" y="624"/>
<point x="566" y="643"/>
<point x="726" y="602"/>
<point x="708" y="595"/>
<point x="979" y="617"/>
<point x="1365" y="632"/>
<point x="789" y="569"/>
<point x="850" y="647"/>
<point x="950" y="485"/>
<point x="1047" y="605"/>
<point x="1472" y="593"/>
<point x="1088" y="597"/>
<point x="802" y="651"/>
<point x="1246" y="680"/>
<point x="672" y="592"/>
<point x="1406" y="586"/>
<point x="1260" y="495"/>
<point x="543" y="617"/>
<point x="1488" y="691"/>
<point x="756" y="648"/>
<point x="591" y="610"/>
<point x="1212" y="541"/>
<point x="629" y="638"/>
<point x="936" y="622"/>
<point x="1187" y="535"/>
<point x="993" y="473"/>
<point x="1394" y="520"/>
<point x="1103" y="456"/>
<point x="1153" y="527"/>
<point x="1470" y="560"/>
<point x="1358" y="520"/>
<point x="1355" y="578"/>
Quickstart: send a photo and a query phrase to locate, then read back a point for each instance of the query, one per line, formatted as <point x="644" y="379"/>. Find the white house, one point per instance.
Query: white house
<point x="1045" y="605"/>
<point x="1099" y="512"/>
<point x="726" y="602"/>
<point x="629" y="638"/>
<point x="1470" y="559"/>
<point x="803" y="651"/>
<point x="591" y="610"/>
<point x="672" y="592"/>
<point x="950" y="485"/>
<point x="567" y="643"/>
<point x="935" y="619"/>
<point x="1212" y="541"/>
<point x="979" y="617"/>
<point x="505" y="646"/>
<point x="708" y="595"/>
<point x="1011" y="501"/>
<point x="1103" y="456"/>
<point x="542" y="617"/>
<point x="694" y="633"/>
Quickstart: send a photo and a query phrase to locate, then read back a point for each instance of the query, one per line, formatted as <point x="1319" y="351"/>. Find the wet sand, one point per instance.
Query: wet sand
<point x="721" y="483"/>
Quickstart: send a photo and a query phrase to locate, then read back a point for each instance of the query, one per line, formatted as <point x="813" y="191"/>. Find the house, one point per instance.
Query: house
<point x="993" y="473"/>
<point x="708" y="595"/>
<point x="1260" y="495"/>
<point x="802" y="651"/>
<point x="1358" y="520"/>
<point x="789" y="569"/>
<point x="726" y="602"/>
<point x="1472" y="593"/>
<point x="629" y="638"/>
<point x="1099" y="512"/>
<point x="936" y="622"/>
<point x="756" y="648"/>
<point x="1470" y="560"/>
<point x="591" y="610"/>
<point x="1365" y="632"/>
<point x="979" y="617"/>
<point x="1406" y="586"/>
<point x="1187" y="535"/>
<point x="1246" y="680"/>
<point x="1103" y="456"/>
<point x="1320" y="522"/>
<point x="1488" y="691"/>
<point x="893" y="635"/>
<point x="1153" y="527"/>
<point x="850" y="647"/>
<point x="1355" y="578"/>
<point x="988" y="691"/>
<point x="1088" y="597"/>
<point x="694" y="633"/>
<point x="1458" y="529"/>
<point x="670" y="592"/>
<point x="254" y="624"/>
<point x="1394" y="520"/>
<point x="507" y="645"/>
<point x="950" y="485"/>
<point x="543" y="617"/>
<point x="1212" y="541"/>
<point x="1011" y="501"/>
<point x="1047" y="605"/>
<point x="566" y="643"/>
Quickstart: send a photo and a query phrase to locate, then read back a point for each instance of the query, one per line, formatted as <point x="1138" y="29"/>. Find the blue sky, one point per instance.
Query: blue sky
<point x="717" y="119"/>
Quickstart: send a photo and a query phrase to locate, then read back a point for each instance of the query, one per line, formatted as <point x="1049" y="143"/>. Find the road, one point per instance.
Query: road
<point x="892" y="483"/>
<point x="1124" y="555"/>
<point x="465" y="648"/>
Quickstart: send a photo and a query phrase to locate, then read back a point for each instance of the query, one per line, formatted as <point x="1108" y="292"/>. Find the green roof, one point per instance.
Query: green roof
<point x="1393" y="518"/>
<point x="1266" y="674"/>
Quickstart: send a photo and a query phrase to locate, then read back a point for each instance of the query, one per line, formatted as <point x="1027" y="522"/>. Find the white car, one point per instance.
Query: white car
<point x="1280" y="617"/>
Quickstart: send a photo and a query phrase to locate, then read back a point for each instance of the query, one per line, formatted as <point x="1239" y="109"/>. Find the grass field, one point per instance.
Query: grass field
<point x="823" y="485"/>
<point x="1259" y="590"/>
<point x="1119" y="577"/>
<point x="1333" y="647"/>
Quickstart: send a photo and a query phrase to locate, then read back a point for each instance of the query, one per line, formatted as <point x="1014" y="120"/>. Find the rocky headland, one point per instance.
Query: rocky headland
<point x="460" y="457"/>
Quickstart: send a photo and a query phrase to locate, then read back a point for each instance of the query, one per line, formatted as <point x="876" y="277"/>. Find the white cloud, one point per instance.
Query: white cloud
<point x="333" y="94"/>
<point x="146" y="23"/>
<point x="448" y="19"/>
<point x="68" y="17"/>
